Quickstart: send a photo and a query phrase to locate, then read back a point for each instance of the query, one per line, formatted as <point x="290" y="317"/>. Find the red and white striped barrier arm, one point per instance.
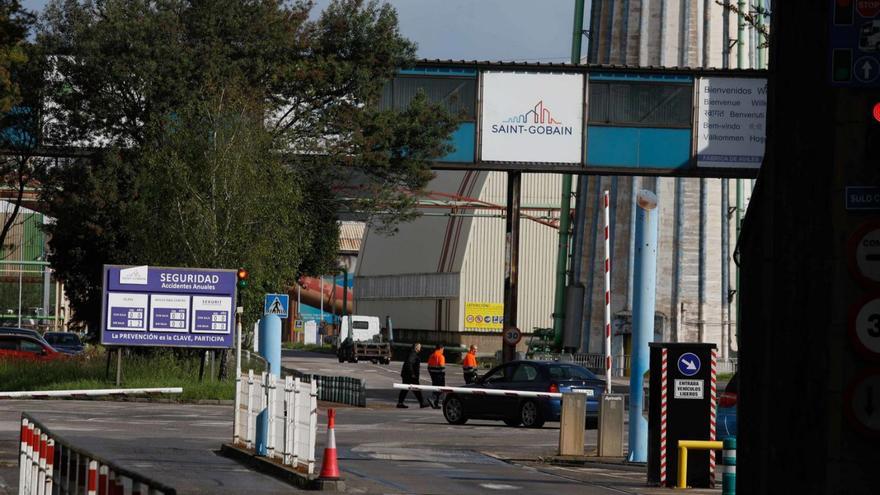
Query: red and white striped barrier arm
<point x="41" y="394"/>
<point x="607" y="296"/>
<point x="713" y="391"/>
<point x="479" y="391"/>
<point x="664" y="362"/>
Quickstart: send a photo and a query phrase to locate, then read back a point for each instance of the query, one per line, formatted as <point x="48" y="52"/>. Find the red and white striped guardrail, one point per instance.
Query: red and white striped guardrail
<point x="50" y="465"/>
<point x="479" y="391"/>
<point x="42" y="394"/>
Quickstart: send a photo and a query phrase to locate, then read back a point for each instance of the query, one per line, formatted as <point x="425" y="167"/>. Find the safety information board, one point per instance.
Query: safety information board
<point x="172" y="307"/>
<point x="688" y="389"/>
<point x="483" y="316"/>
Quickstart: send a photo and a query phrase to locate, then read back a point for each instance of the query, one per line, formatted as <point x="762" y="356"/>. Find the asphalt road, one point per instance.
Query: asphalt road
<point x="382" y="449"/>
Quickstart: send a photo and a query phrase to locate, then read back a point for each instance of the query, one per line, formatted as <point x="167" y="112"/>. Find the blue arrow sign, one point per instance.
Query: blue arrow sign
<point x="276" y="304"/>
<point x="689" y="364"/>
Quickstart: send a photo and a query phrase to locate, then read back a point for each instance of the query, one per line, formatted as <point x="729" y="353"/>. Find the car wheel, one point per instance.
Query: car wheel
<point x="591" y="424"/>
<point x="512" y="422"/>
<point x="453" y="411"/>
<point x="341" y="360"/>
<point x="530" y="414"/>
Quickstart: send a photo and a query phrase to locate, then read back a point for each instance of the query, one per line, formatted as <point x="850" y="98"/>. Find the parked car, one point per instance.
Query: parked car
<point x="65" y="342"/>
<point x="727" y="408"/>
<point x="18" y="346"/>
<point x="533" y="376"/>
<point x="22" y="331"/>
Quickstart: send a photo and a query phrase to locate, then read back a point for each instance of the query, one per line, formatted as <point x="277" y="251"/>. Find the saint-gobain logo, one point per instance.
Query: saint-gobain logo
<point x="136" y="275"/>
<point x="538" y="120"/>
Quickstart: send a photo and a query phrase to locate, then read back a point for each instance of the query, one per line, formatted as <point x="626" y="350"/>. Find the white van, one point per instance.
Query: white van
<point x="869" y="36"/>
<point x="360" y="328"/>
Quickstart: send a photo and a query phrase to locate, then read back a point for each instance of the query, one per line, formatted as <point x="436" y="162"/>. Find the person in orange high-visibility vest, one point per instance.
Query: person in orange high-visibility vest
<point x="469" y="365"/>
<point x="437" y="370"/>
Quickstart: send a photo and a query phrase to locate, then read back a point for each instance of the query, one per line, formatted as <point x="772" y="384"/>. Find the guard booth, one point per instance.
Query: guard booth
<point x="681" y="407"/>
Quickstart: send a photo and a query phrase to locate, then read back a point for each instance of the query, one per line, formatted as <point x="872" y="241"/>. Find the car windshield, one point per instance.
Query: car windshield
<point x="62" y="339"/>
<point x="569" y="372"/>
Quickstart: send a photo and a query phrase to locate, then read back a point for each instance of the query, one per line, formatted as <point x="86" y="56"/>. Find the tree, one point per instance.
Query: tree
<point x="20" y="83"/>
<point x="15" y="24"/>
<point x="192" y="93"/>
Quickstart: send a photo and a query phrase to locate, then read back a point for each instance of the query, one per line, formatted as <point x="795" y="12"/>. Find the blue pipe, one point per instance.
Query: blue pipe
<point x="270" y="349"/>
<point x="643" y="320"/>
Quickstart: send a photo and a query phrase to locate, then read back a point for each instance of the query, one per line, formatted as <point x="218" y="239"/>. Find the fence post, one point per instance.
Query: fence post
<point x="92" y="478"/>
<point x="313" y="423"/>
<point x="728" y="459"/>
<point x="35" y="461"/>
<point x="50" y="465"/>
<point x="236" y="419"/>
<point x="296" y="398"/>
<point x="271" y="404"/>
<point x="250" y="411"/>
<point x="103" y="474"/>
<point x="288" y="403"/>
<point x="23" y="453"/>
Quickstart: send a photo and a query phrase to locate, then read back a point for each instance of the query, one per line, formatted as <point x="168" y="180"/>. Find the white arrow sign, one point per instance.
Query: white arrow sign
<point x="867" y="67"/>
<point x="689" y="365"/>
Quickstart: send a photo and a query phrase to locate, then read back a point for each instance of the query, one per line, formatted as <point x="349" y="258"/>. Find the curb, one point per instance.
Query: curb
<point x="280" y="472"/>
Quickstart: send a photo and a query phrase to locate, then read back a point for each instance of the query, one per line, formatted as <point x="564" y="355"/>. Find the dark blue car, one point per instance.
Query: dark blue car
<point x="65" y="342"/>
<point x="532" y="376"/>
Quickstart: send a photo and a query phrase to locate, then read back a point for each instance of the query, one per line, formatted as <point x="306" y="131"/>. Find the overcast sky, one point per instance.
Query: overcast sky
<point x="510" y="30"/>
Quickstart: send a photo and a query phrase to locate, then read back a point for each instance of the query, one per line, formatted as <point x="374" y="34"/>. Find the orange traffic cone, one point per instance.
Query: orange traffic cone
<point x="329" y="465"/>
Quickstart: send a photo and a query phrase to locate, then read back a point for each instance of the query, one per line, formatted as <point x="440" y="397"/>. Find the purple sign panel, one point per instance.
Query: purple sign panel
<point x="175" y="307"/>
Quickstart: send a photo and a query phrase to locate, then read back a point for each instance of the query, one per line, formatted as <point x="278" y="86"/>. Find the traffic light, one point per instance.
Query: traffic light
<point x="872" y="136"/>
<point x="843" y="12"/>
<point x="842" y="62"/>
<point x="242" y="276"/>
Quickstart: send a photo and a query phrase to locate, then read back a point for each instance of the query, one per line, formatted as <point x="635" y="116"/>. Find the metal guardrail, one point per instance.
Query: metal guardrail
<point x="338" y="389"/>
<point x="50" y="464"/>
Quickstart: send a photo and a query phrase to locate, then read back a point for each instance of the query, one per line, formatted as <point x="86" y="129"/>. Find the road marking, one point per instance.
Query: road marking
<point x="498" y="486"/>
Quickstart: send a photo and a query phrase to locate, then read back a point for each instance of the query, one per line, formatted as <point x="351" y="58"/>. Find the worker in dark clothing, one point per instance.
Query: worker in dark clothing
<point x="410" y="375"/>
<point x="469" y="365"/>
<point x="437" y="370"/>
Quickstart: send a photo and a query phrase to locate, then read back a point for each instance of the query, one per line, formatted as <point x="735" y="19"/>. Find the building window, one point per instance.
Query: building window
<point x="457" y="95"/>
<point x="640" y="104"/>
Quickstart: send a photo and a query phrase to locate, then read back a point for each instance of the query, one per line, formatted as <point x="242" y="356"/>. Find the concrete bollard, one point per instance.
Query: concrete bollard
<point x="728" y="457"/>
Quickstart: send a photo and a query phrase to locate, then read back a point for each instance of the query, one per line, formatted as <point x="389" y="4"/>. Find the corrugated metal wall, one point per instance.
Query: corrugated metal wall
<point x="482" y="273"/>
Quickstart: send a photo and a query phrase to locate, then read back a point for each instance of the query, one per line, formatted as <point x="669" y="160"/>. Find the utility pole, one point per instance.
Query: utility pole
<point x="565" y="207"/>
<point x="511" y="264"/>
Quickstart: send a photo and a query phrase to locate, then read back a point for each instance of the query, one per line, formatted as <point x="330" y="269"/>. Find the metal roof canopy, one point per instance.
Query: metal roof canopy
<point x="472" y="68"/>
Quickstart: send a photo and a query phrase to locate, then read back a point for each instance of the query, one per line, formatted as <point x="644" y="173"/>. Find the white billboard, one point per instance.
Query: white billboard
<point x="731" y="122"/>
<point x="532" y="117"/>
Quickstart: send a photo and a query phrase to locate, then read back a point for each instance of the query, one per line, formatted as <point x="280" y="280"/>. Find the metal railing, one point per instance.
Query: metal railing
<point x="338" y="389"/>
<point x="49" y="464"/>
<point x="292" y="417"/>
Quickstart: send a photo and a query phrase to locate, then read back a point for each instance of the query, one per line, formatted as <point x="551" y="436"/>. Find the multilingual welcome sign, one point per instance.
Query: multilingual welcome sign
<point x="171" y="307"/>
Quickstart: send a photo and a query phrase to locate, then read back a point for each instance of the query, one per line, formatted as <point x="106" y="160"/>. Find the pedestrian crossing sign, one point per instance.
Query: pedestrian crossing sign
<point x="276" y="304"/>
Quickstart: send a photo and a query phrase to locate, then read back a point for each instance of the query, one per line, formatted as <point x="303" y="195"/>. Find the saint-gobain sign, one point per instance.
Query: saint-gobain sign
<point x="172" y="307"/>
<point x="532" y="117"/>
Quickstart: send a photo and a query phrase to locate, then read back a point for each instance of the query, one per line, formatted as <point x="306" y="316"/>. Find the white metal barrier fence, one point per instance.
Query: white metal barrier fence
<point x="292" y="417"/>
<point x="50" y="465"/>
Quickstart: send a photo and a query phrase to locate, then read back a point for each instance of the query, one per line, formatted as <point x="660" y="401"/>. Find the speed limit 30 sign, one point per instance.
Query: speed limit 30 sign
<point x="864" y="326"/>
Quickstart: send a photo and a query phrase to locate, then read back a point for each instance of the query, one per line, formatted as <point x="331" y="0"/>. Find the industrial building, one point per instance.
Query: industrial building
<point x="435" y="274"/>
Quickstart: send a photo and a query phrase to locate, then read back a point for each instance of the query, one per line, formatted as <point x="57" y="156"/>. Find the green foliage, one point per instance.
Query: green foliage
<point x="159" y="368"/>
<point x="15" y="24"/>
<point x="228" y="130"/>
